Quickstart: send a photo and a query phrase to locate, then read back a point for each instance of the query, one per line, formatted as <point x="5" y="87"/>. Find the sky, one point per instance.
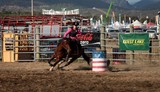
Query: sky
<point x="133" y="1"/>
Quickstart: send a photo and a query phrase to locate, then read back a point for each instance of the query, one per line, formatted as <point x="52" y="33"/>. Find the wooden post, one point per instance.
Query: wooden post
<point x="16" y="48"/>
<point x="150" y="50"/>
<point x="7" y="47"/>
<point x="37" y="42"/>
<point x="132" y="51"/>
<point x="102" y="38"/>
<point x="159" y="43"/>
<point x="158" y="27"/>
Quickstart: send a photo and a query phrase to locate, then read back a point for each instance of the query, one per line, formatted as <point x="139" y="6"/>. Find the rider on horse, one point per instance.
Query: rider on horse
<point x="73" y="32"/>
<point x="69" y="47"/>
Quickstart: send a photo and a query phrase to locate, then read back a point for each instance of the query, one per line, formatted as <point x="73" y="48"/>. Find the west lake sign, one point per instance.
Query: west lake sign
<point x="134" y="41"/>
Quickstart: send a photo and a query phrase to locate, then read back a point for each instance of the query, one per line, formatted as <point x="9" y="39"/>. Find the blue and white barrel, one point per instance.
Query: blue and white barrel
<point x="99" y="62"/>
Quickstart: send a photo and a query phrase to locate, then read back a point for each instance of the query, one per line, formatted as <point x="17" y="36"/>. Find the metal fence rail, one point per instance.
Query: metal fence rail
<point x="30" y="46"/>
<point x="34" y="49"/>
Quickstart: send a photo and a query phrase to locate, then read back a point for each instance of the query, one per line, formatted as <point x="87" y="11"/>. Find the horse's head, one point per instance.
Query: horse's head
<point x="67" y="39"/>
<point x="66" y="44"/>
<point x="63" y="44"/>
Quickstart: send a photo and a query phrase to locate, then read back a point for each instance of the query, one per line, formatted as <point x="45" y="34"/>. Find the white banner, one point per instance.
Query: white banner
<point x="53" y="12"/>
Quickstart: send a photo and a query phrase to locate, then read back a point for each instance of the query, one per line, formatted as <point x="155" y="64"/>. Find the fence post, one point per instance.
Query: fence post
<point x="37" y="42"/>
<point x="132" y="51"/>
<point x="159" y="43"/>
<point x="102" y="38"/>
<point x="16" y="49"/>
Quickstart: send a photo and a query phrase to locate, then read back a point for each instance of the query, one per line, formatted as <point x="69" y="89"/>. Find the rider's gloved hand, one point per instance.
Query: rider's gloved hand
<point x="64" y="37"/>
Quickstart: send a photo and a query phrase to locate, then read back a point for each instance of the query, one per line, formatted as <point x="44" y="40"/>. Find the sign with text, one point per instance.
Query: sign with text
<point x="53" y="12"/>
<point x="134" y="41"/>
<point x="89" y="38"/>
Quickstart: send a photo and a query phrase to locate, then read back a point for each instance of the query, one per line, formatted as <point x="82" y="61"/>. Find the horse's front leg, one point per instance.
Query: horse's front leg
<point x="56" y="62"/>
<point x="49" y="61"/>
<point x="65" y="60"/>
<point x="68" y="54"/>
<point x="58" y="66"/>
<point x="69" y="62"/>
<point x="67" y="57"/>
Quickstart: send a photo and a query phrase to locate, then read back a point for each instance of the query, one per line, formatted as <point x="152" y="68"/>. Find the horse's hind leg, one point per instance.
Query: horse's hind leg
<point x="86" y="58"/>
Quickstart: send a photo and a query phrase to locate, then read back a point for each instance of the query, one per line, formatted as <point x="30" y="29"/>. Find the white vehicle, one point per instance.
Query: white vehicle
<point x="112" y="33"/>
<point x="152" y="34"/>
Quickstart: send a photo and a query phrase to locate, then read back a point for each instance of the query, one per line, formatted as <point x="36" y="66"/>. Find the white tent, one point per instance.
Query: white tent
<point x="137" y="24"/>
<point x="117" y="25"/>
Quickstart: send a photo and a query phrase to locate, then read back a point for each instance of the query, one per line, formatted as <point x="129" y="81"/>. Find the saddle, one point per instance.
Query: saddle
<point x="75" y="46"/>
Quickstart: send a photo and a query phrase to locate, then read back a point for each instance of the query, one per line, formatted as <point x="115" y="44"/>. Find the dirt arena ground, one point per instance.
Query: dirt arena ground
<point x="78" y="77"/>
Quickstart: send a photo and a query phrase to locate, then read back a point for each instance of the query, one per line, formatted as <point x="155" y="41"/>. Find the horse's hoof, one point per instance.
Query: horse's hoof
<point x="60" y="68"/>
<point x="51" y="69"/>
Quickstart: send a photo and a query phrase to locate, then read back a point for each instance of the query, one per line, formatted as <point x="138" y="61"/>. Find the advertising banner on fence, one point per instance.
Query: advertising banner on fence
<point x="89" y="38"/>
<point x="134" y="41"/>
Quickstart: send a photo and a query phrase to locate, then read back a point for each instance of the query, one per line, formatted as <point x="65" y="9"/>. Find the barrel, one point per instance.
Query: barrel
<point x="99" y="62"/>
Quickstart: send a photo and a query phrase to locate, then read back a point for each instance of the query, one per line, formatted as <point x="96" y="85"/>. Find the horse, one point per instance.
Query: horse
<point x="66" y="49"/>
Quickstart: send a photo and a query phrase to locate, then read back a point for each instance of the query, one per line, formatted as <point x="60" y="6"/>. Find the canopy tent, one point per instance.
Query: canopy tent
<point x="117" y="25"/>
<point x="150" y="24"/>
<point x="137" y="24"/>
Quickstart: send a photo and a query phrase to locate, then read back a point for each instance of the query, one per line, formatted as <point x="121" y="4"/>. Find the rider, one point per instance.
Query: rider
<point x="73" y="32"/>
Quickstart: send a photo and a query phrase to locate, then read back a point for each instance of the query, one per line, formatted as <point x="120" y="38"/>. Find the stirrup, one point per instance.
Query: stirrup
<point x="76" y="51"/>
<point x="77" y="47"/>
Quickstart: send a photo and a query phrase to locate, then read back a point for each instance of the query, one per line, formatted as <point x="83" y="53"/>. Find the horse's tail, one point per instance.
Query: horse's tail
<point x="87" y="58"/>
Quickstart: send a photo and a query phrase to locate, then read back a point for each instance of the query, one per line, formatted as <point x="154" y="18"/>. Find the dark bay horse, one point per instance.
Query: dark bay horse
<point x="67" y="49"/>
